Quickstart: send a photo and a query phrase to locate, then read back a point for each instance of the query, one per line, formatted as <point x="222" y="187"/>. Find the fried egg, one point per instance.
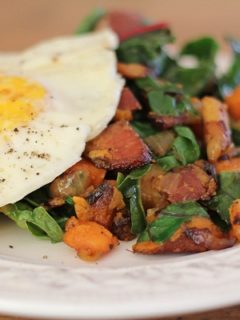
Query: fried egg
<point x="53" y="98"/>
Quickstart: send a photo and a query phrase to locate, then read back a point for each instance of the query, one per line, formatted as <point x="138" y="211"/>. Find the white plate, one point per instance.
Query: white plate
<point x="40" y="279"/>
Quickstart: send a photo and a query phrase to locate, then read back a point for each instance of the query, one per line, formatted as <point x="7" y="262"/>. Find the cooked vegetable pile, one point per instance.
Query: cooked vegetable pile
<point x="166" y="171"/>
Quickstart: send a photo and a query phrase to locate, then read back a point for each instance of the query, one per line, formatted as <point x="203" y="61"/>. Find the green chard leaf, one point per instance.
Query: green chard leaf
<point x="38" y="221"/>
<point x="164" y="227"/>
<point x="168" y="163"/>
<point x="229" y="190"/>
<point x="232" y="78"/>
<point x="194" y="79"/>
<point x="185" y="209"/>
<point x="89" y="23"/>
<point x="165" y="98"/>
<point x="170" y="220"/>
<point x="129" y="186"/>
<point x="144" y="128"/>
<point x="146" y="49"/>
<point x="162" y="104"/>
<point x="236" y="136"/>
<point x="185" y="147"/>
<point x="205" y="49"/>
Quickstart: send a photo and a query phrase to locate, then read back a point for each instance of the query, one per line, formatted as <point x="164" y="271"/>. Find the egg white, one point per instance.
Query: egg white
<point x="83" y="90"/>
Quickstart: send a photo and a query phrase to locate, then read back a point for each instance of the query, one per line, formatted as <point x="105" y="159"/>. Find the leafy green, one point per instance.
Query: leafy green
<point x="147" y="84"/>
<point x="165" y="98"/>
<point x="194" y="80"/>
<point x="89" y="23"/>
<point x="184" y="150"/>
<point x="170" y="219"/>
<point x="69" y="200"/>
<point x="232" y="78"/>
<point x="205" y="49"/>
<point x="129" y="186"/>
<point x="162" y="104"/>
<point x="236" y="136"/>
<point x="168" y="163"/>
<point x="185" y="147"/>
<point x="164" y="227"/>
<point x="143" y="128"/>
<point x="185" y="209"/>
<point x="146" y="49"/>
<point x="38" y="221"/>
<point x="229" y="190"/>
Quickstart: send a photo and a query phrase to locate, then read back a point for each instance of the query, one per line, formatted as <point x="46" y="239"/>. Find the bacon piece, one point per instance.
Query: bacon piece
<point x="127" y="104"/>
<point x="189" y="183"/>
<point x="118" y="147"/>
<point x="216" y="128"/>
<point x="132" y="70"/>
<point x="127" y="24"/>
<point x="100" y="206"/>
<point x="124" y="23"/>
<point x="167" y="122"/>
<point x="89" y="239"/>
<point x="198" y="235"/>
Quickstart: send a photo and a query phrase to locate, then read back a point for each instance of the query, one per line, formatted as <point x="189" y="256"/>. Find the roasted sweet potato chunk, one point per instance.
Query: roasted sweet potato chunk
<point x="167" y="122"/>
<point x="235" y="218"/>
<point x="127" y="104"/>
<point x="230" y="165"/>
<point x="76" y="180"/>
<point x="189" y="183"/>
<point x="100" y="206"/>
<point x="132" y="70"/>
<point x="198" y="235"/>
<point x="118" y="148"/>
<point x="216" y="128"/>
<point x="233" y="102"/>
<point x="89" y="239"/>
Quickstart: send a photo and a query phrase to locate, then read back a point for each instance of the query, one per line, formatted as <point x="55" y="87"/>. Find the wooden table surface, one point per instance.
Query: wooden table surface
<point x="23" y="22"/>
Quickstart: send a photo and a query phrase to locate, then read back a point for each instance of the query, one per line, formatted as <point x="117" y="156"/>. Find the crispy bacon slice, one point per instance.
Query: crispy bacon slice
<point x="167" y="122"/>
<point x="198" y="235"/>
<point x="189" y="183"/>
<point x="118" y="147"/>
<point x="216" y="128"/>
<point x="127" y="104"/>
<point x="127" y="24"/>
<point x="101" y="205"/>
<point x="132" y="70"/>
<point x="124" y="23"/>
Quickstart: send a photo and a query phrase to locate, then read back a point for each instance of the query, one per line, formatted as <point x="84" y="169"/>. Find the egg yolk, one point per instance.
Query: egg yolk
<point x="19" y="101"/>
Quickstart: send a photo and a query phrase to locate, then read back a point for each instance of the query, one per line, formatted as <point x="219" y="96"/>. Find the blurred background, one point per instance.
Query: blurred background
<point x="23" y="22"/>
